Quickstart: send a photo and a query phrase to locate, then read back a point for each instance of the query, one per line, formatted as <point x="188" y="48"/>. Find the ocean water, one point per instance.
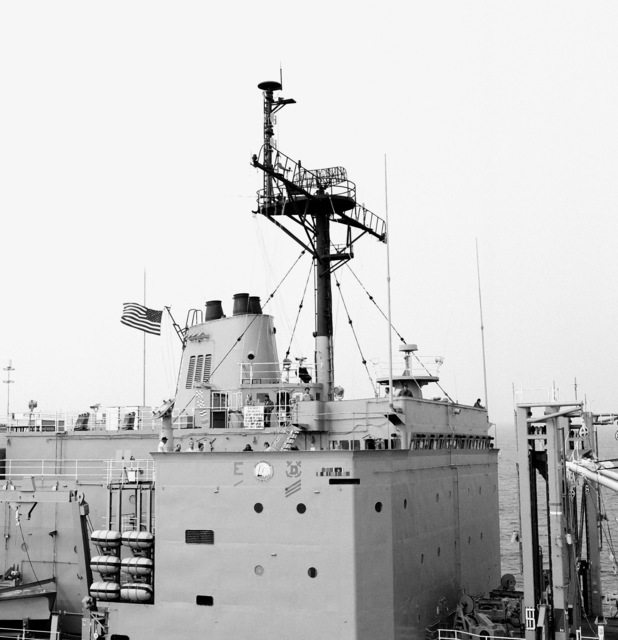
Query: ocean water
<point x="509" y="507"/>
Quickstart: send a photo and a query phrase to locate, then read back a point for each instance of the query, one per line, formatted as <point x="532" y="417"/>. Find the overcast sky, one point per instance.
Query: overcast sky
<point x="126" y="132"/>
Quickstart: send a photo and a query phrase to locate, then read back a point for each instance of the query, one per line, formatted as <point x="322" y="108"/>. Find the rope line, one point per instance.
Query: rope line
<point x="25" y="548"/>
<point x="300" y="306"/>
<point x="363" y="359"/>
<point x="270" y="297"/>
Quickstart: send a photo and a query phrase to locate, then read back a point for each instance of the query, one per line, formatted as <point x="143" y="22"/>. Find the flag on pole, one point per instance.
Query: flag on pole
<point x="140" y="317"/>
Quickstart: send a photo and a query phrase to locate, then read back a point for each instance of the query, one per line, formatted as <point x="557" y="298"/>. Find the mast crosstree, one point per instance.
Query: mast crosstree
<point x="302" y="203"/>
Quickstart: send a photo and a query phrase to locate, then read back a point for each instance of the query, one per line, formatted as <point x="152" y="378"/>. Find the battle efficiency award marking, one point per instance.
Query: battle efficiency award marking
<point x="263" y="471"/>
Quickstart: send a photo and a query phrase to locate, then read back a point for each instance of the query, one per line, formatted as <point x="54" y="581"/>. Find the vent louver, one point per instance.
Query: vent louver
<point x="199" y="536"/>
<point x="190" y="372"/>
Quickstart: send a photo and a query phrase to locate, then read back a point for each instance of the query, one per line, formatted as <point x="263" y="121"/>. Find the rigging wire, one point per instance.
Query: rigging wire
<point x="270" y="297"/>
<point x="25" y="546"/>
<point x="371" y="298"/>
<point x="363" y="359"/>
<point x="300" y="306"/>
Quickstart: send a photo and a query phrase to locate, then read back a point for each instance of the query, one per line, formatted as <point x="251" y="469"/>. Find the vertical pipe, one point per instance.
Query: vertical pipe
<point x="559" y="553"/>
<point x="528" y="547"/>
<point x="324" y="328"/>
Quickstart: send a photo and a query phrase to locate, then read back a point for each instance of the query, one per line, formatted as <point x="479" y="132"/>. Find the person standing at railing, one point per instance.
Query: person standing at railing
<point x="269" y="405"/>
<point x="162" y="448"/>
<point x="405" y="392"/>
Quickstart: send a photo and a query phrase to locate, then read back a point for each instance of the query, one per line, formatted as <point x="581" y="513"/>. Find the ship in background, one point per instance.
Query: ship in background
<point x="307" y="513"/>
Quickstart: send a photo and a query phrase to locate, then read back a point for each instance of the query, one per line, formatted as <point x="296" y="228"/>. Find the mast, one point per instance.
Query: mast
<point x="298" y="199"/>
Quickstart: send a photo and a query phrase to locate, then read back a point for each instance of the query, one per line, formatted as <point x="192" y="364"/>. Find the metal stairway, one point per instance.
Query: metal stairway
<point x="294" y="187"/>
<point x="285" y="440"/>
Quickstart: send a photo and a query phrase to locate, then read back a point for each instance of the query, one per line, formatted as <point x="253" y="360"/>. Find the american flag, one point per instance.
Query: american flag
<point x="140" y="317"/>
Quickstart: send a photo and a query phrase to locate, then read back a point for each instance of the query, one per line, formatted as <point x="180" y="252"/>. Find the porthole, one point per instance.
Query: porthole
<point x="24" y="546"/>
<point x="259" y="570"/>
<point x="312" y="572"/>
<point x="258" y="507"/>
<point x="378" y="507"/>
<point x="301" y="508"/>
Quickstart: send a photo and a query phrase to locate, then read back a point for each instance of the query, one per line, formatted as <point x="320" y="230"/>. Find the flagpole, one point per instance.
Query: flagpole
<point x="144" y="376"/>
<point x="391" y="407"/>
<point x="478" y="275"/>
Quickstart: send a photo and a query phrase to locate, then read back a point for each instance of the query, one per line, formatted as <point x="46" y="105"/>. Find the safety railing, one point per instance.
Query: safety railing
<point x="131" y="418"/>
<point x="416" y="366"/>
<point x="26" y="633"/>
<point x="296" y="372"/>
<point x="456" y="634"/>
<point x="103" y="471"/>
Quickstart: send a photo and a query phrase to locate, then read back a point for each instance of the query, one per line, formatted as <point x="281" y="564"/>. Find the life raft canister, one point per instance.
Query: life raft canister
<point x="105" y="590"/>
<point x="136" y="592"/>
<point x="138" y="539"/>
<point x="105" y="565"/>
<point x="137" y="566"/>
<point x="106" y="538"/>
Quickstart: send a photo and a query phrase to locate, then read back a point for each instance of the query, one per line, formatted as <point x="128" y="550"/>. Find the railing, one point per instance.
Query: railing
<point x="416" y="366"/>
<point x="293" y="180"/>
<point x="450" y="634"/>
<point x="103" y="471"/>
<point x="538" y="395"/>
<point x="286" y="372"/>
<point x="131" y="418"/>
<point x="25" y="633"/>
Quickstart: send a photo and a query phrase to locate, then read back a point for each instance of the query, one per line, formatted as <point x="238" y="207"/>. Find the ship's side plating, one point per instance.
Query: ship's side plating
<point x="305" y="544"/>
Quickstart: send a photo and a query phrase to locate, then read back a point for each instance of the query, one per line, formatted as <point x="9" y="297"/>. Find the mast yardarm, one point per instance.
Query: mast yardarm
<point x="303" y="203"/>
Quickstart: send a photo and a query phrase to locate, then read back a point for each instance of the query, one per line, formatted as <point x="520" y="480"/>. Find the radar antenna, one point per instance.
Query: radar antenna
<point x="303" y="203"/>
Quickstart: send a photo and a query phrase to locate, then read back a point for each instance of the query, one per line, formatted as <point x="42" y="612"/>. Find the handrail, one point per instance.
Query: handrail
<point x="26" y="632"/>
<point x="128" y="418"/>
<point x="83" y="470"/>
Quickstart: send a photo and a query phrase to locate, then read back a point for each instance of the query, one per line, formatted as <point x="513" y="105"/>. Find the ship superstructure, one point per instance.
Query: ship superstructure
<point x="304" y="512"/>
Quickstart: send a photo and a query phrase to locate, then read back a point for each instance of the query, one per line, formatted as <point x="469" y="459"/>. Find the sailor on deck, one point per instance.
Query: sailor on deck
<point x="405" y="392"/>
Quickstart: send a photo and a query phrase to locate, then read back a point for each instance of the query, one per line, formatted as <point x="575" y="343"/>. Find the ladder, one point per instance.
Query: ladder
<point x="285" y="440"/>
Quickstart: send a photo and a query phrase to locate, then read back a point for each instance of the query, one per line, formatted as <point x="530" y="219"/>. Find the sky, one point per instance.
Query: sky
<point x="126" y="134"/>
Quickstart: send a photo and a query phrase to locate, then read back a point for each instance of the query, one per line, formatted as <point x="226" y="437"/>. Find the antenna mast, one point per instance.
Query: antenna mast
<point x="8" y="383"/>
<point x="303" y="203"/>
<point x="478" y="275"/>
